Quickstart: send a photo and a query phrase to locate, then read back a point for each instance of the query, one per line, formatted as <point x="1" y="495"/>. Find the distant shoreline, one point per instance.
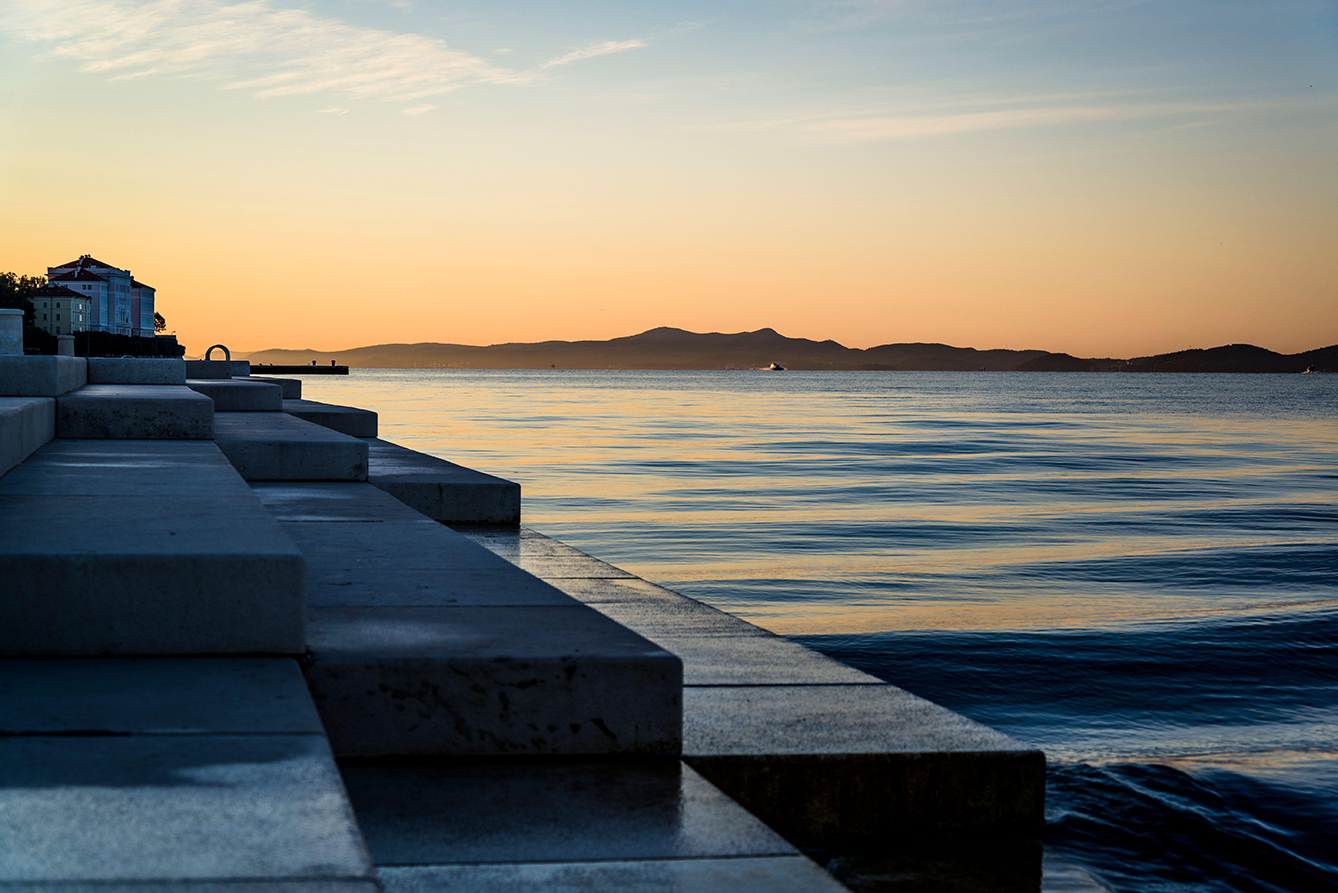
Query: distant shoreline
<point x="667" y="349"/>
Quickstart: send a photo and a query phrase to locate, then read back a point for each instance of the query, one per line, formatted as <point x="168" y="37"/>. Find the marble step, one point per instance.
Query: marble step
<point x="239" y="395"/>
<point x="441" y="490"/>
<point x="26" y="423"/>
<point x="562" y="827"/>
<point x="292" y="387"/>
<point x="274" y="446"/>
<point x="143" y="547"/>
<point x="135" y="412"/>
<point x="217" y="368"/>
<point x="43" y="376"/>
<point x="170" y="774"/>
<point x="827" y="756"/>
<point x="134" y="370"/>
<point x="345" y="419"/>
<point x="425" y="644"/>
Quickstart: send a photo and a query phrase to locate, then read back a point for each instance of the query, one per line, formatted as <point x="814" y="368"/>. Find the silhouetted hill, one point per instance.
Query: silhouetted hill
<point x="1236" y="358"/>
<point x="669" y="348"/>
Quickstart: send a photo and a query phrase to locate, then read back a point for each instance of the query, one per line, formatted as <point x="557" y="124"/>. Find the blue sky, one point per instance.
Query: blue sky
<point x="869" y="171"/>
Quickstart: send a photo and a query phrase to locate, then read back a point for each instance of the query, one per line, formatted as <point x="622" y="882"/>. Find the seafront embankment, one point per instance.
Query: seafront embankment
<point x="248" y="642"/>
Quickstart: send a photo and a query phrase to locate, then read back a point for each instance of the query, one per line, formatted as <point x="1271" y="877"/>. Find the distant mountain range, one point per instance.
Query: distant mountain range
<point x="668" y="348"/>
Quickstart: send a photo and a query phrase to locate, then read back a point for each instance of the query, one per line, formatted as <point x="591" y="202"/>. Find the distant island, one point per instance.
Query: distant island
<point x="668" y="348"/>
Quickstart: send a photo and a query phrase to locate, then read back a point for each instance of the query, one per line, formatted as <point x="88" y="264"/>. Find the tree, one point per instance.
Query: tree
<point x="159" y="324"/>
<point x="15" y="293"/>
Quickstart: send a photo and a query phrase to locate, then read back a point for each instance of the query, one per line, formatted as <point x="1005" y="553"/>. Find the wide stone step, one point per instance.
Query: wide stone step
<point x="26" y="423"/>
<point x="441" y="490"/>
<point x="23" y="376"/>
<point x="239" y="395"/>
<point x="423" y="643"/>
<point x="135" y="412"/>
<point x="217" y="368"/>
<point x="292" y="387"/>
<point x="274" y="446"/>
<point x="135" y="370"/>
<point x="500" y="827"/>
<point x="170" y="774"/>
<point x="826" y="755"/>
<point x="143" y="547"/>
<point x="345" y="419"/>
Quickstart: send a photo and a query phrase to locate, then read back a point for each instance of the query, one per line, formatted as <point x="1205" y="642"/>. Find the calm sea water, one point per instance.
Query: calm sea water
<point x="1137" y="573"/>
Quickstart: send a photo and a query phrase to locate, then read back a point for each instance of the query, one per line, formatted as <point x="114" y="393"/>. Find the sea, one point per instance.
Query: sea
<point x="1137" y="573"/>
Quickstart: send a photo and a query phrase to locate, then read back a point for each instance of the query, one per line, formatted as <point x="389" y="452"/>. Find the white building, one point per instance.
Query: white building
<point x="60" y="310"/>
<point x="117" y="302"/>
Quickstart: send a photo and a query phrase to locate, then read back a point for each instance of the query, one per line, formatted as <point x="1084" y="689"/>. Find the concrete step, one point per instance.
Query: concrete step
<point x="217" y="368"/>
<point x="143" y="547"/>
<point x="441" y="490"/>
<point x="827" y="756"/>
<point x="568" y="826"/>
<point x="22" y="376"/>
<point x="136" y="412"/>
<point x="292" y="387"/>
<point x="423" y="643"/>
<point x="345" y="419"/>
<point x="274" y="446"/>
<point x="26" y="423"/>
<point x="184" y="774"/>
<point x="239" y="395"/>
<point x="134" y="370"/>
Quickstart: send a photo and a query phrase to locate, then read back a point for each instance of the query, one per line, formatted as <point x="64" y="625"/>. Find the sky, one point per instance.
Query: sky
<point x="1100" y="178"/>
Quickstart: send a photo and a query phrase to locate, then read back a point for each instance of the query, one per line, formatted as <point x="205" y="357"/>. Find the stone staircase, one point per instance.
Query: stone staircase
<point x="213" y="590"/>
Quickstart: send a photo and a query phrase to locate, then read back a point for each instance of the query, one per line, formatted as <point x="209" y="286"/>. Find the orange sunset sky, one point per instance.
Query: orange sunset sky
<point x="1106" y="179"/>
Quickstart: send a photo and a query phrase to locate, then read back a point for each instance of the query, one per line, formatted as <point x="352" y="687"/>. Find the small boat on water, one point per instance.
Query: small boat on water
<point x="775" y="367"/>
<point x="1310" y="369"/>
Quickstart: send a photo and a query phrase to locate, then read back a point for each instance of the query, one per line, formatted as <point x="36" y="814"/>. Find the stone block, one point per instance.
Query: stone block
<point x="489" y="681"/>
<point x="770" y="874"/>
<point x="292" y="387"/>
<point x="26" y="423"/>
<point x="137" y="412"/>
<point x="142" y="809"/>
<point x="543" y="810"/>
<point x="161" y="552"/>
<point x="345" y="419"/>
<point x="381" y="552"/>
<point x="239" y="395"/>
<point x="274" y="446"/>
<point x="155" y="696"/>
<point x="45" y="376"/>
<point x="11" y="331"/>
<point x="441" y="490"/>
<point x="181" y="469"/>
<point x="832" y="766"/>
<point x="716" y="648"/>
<point x="543" y="556"/>
<point x="134" y="370"/>
<point x="217" y="368"/>
<point x="424" y="643"/>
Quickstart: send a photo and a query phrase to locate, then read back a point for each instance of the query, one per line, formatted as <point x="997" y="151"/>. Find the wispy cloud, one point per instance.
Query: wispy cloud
<point x="333" y="110"/>
<point x="961" y="116"/>
<point x="250" y="45"/>
<point x="591" y="50"/>
<point x="419" y="109"/>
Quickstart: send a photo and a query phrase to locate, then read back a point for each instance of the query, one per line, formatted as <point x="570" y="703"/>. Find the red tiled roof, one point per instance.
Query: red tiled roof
<point x="57" y="291"/>
<point x="81" y="275"/>
<point x="86" y="261"/>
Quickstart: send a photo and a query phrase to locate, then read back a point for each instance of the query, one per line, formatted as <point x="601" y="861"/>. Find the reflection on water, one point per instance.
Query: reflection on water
<point x="1135" y="572"/>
